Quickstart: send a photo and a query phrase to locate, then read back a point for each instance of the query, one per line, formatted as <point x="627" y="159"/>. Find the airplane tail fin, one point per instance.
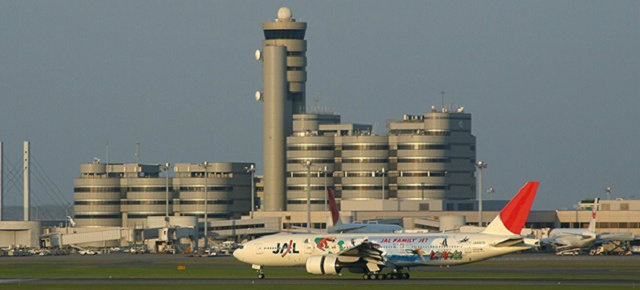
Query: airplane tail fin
<point x="335" y="214"/>
<point x="594" y="210"/>
<point x="513" y="216"/>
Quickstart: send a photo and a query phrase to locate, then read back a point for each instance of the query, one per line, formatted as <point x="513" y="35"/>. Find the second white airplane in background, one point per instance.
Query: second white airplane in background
<point x="571" y="241"/>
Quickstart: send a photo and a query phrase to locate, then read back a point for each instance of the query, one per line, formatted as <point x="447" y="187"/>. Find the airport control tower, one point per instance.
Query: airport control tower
<point x="283" y="79"/>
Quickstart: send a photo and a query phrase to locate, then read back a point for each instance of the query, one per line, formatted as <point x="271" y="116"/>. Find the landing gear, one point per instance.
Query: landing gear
<point x="399" y="274"/>
<point x="371" y="276"/>
<point x="380" y="276"/>
<point x="259" y="269"/>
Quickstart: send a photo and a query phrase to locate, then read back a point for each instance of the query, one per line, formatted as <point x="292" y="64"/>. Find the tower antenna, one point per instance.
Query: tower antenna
<point x="137" y="154"/>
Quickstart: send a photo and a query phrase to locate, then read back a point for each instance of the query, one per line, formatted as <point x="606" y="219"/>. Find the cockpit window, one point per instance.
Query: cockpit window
<point x="240" y="247"/>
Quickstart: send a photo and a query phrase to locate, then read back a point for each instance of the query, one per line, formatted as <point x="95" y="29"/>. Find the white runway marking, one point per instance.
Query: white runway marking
<point x="13" y="281"/>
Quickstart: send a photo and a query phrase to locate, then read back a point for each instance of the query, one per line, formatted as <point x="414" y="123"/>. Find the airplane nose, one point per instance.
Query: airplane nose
<point x="237" y="254"/>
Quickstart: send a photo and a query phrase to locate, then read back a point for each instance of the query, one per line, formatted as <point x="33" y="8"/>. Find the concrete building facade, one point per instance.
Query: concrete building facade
<point x="228" y="190"/>
<point x="125" y="195"/>
<point x="423" y="157"/>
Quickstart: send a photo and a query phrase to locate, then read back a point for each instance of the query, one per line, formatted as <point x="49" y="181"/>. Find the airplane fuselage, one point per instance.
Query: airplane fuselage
<point x="573" y="238"/>
<point x="399" y="250"/>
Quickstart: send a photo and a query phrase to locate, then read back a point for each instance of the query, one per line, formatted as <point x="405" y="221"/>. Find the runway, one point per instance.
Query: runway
<point x="329" y="281"/>
<point x="515" y="269"/>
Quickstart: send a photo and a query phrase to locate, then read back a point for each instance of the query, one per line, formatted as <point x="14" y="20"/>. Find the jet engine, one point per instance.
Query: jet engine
<point x="323" y="265"/>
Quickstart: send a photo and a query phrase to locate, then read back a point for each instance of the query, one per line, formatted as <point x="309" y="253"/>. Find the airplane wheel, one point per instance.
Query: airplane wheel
<point x="365" y="277"/>
<point x="260" y="276"/>
<point x="405" y="276"/>
<point x="371" y="276"/>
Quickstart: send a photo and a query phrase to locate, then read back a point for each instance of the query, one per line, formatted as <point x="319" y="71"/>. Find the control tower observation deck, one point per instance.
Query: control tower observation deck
<point x="285" y="31"/>
<point x="283" y="79"/>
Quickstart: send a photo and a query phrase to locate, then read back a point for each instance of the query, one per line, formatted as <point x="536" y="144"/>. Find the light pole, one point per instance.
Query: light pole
<point x="382" y="171"/>
<point x="324" y="170"/>
<point x="576" y="207"/>
<point x="308" y="164"/>
<point x="252" y="170"/>
<point x="206" y="204"/>
<point x="165" y="168"/>
<point x="480" y="165"/>
<point x="608" y="192"/>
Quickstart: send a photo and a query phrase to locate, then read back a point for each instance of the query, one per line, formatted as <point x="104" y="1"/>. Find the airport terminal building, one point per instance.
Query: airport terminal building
<point x="124" y="195"/>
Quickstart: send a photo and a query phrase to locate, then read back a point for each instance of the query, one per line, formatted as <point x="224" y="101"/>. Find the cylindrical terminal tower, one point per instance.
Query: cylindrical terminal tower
<point x="364" y="167"/>
<point x="283" y="78"/>
<point x="97" y="197"/>
<point x="228" y="191"/>
<point x="145" y="197"/>
<point x="309" y="144"/>
<point x="435" y="153"/>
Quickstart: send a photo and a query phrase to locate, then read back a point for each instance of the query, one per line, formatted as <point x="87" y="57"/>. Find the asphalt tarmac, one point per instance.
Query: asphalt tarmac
<point x="534" y="264"/>
<point x="330" y="281"/>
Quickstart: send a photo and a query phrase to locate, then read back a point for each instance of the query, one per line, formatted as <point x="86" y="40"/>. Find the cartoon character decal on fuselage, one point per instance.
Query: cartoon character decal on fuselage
<point x="408" y="250"/>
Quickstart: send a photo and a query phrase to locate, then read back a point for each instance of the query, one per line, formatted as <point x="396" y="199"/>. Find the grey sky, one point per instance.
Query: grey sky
<point x="552" y="86"/>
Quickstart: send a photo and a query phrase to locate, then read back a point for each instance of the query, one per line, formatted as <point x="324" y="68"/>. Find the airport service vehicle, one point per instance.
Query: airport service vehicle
<point x="339" y="227"/>
<point x="390" y="255"/>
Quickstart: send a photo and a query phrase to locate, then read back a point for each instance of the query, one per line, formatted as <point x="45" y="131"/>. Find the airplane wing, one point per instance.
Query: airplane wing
<point x="297" y="230"/>
<point x="556" y="242"/>
<point x="610" y="237"/>
<point x="345" y="228"/>
<point x="512" y="241"/>
<point x="365" y="250"/>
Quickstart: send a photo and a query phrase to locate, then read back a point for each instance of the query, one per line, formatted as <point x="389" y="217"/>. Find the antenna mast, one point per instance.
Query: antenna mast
<point x="137" y="152"/>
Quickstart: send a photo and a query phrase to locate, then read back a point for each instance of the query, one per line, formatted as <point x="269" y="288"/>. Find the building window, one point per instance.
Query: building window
<point x="365" y="147"/>
<point x="424" y="147"/>
<point x="310" y="147"/>
<point x="209" y="201"/>
<point x="304" y="201"/>
<point x="284" y="34"/>
<point x="423" y="160"/>
<point x="364" y="160"/>
<point x="465" y="206"/>
<point x="624" y="206"/>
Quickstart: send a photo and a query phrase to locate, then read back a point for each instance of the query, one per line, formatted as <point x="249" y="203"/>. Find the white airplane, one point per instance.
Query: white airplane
<point x="370" y="254"/>
<point x="571" y="241"/>
<point x="339" y="227"/>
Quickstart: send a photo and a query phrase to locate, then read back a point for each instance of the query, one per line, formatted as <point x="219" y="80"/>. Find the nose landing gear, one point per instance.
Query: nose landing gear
<point x="258" y="268"/>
